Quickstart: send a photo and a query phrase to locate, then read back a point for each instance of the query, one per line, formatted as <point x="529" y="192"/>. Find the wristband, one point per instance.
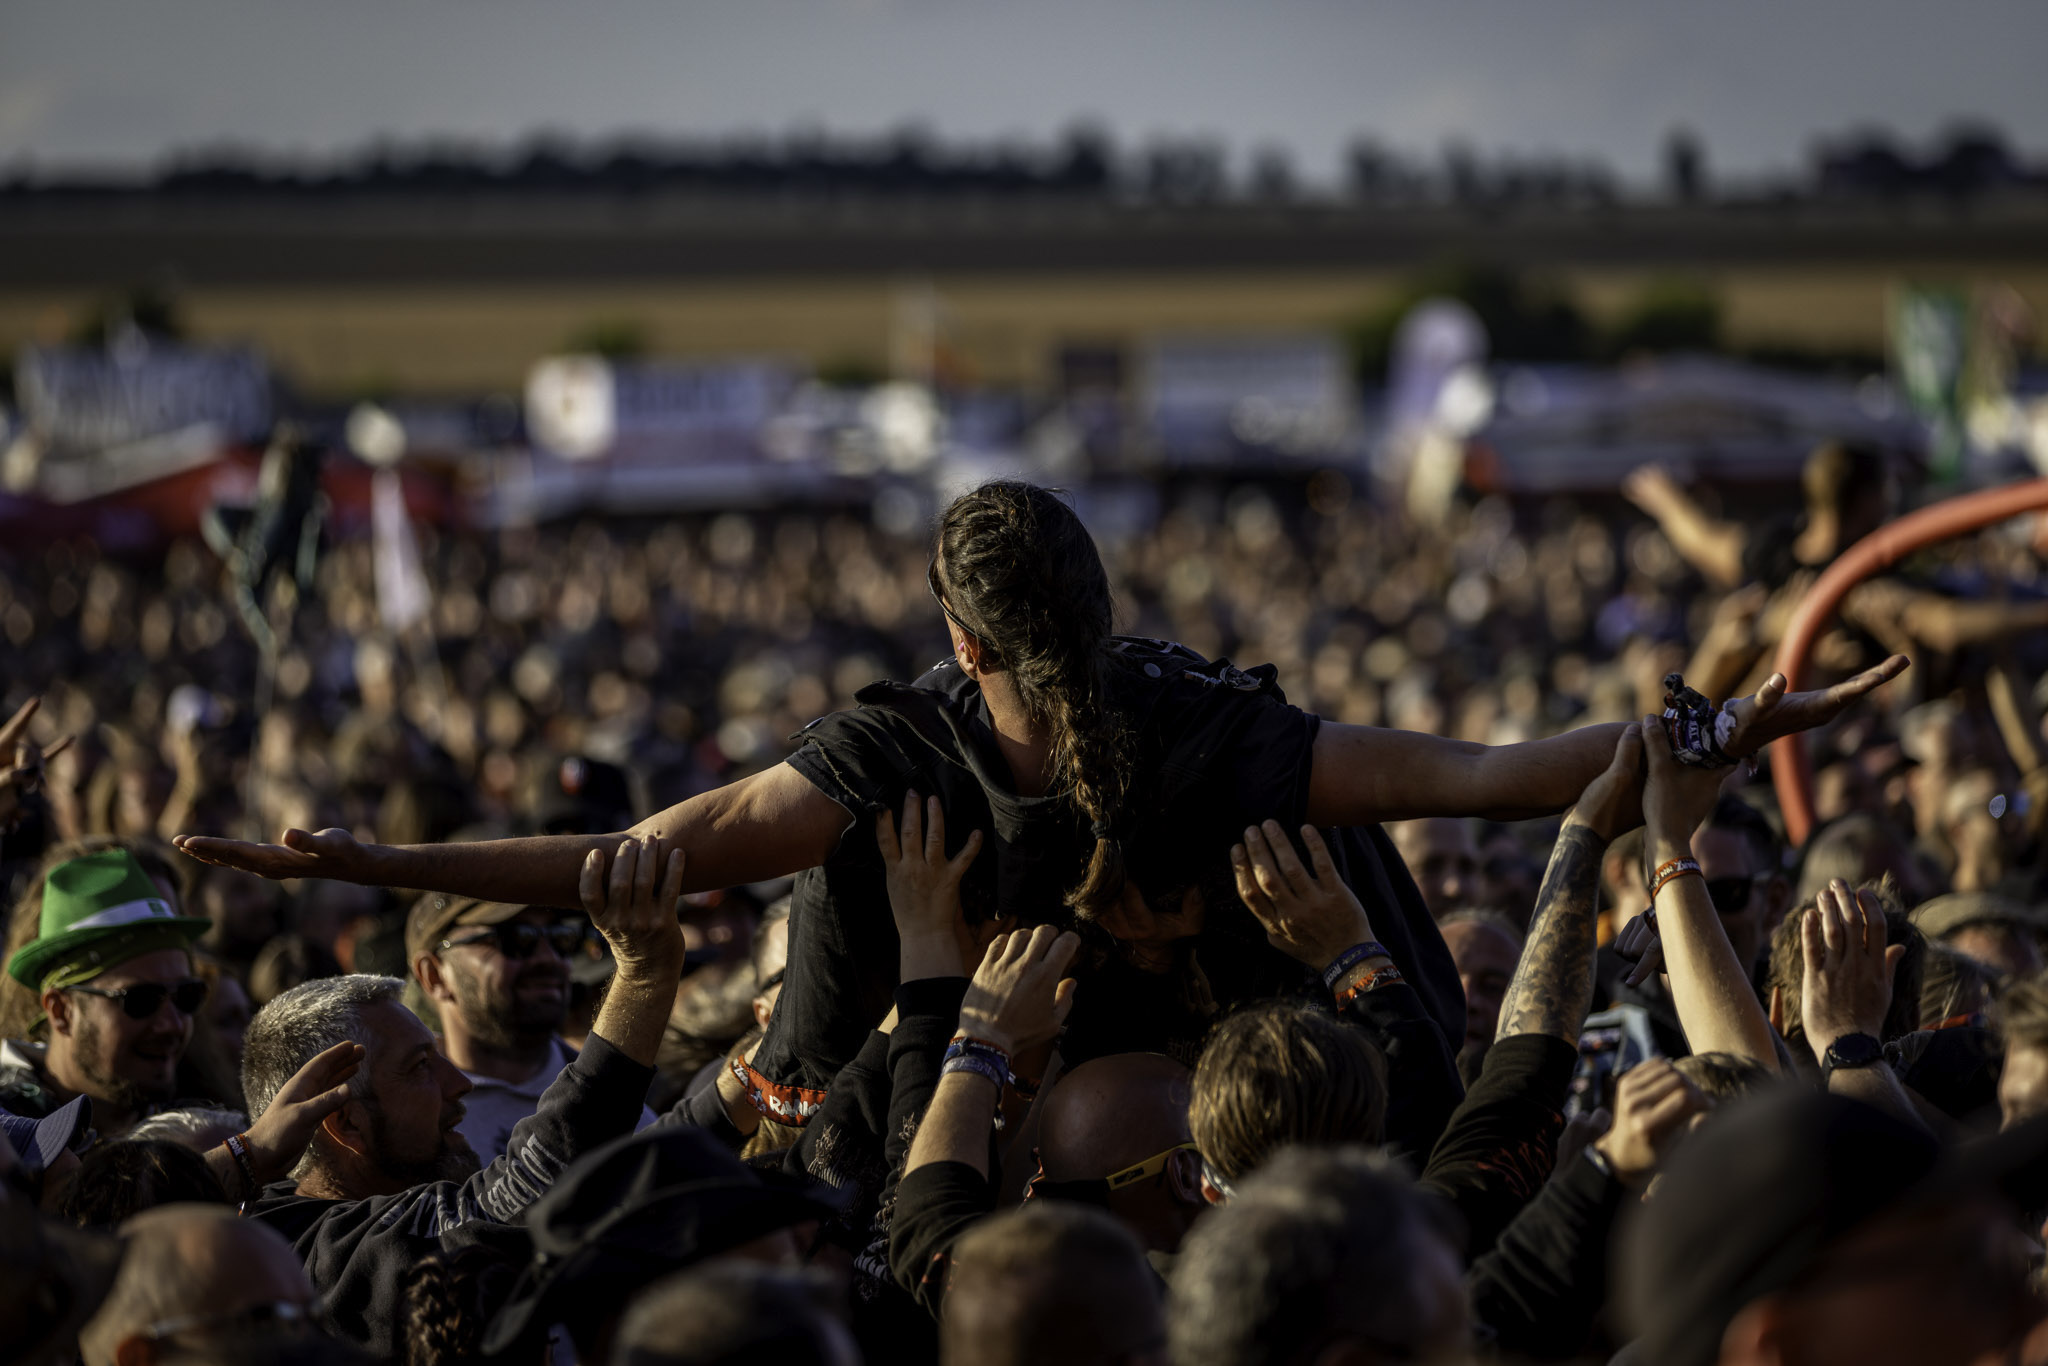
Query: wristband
<point x="989" y="1070"/>
<point x="994" y="1063"/>
<point x="238" y="1148"/>
<point x="969" y="1042"/>
<point x="1670" y="872"/>
<point x="1379" y="977"/>
<point x="1351" y="958"/>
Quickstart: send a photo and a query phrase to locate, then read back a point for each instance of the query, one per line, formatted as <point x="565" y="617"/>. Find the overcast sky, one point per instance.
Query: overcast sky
<point x="123" y="82"/>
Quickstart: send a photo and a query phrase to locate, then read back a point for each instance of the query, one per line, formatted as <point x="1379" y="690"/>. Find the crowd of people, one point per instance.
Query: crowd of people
<point x="1091" y="1000"/>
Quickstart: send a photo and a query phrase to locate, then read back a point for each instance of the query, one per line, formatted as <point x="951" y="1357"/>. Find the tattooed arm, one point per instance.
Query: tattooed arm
<point x="1553" y="984"/>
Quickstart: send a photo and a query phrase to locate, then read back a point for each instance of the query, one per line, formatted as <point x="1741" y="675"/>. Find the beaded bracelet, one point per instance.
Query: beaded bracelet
<point x="1350" y="959"/>
<point x="1373" y="981"/>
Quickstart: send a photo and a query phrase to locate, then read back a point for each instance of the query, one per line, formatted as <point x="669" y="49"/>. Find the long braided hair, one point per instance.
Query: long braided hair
<point x="1016" y="569"/>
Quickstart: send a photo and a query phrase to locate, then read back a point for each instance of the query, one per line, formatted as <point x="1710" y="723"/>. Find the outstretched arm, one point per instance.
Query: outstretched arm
<point x="1553" y="984"/>
<point x="1363" y="775"/>
<point x="769" y="825"/>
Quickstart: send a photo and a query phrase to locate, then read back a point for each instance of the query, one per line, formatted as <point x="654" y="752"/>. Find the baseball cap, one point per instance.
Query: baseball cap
<point x="1757" y="1197"/>
<point x="1944" y="915"/>
<point x="37" y="1142"/>
<point x="640" y="1207"/>
<point x="436" y="913"/>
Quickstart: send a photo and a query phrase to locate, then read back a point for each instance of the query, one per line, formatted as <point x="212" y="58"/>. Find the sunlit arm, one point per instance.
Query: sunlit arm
<point x="1363" y="775"/>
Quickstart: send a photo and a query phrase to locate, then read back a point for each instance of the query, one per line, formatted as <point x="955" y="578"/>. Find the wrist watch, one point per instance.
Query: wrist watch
<point x="1851" y="1050"/>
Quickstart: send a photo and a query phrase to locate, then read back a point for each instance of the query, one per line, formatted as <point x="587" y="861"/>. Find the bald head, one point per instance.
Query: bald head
<point x="1112" y="1113"/>
<point x="189" y="1262"/>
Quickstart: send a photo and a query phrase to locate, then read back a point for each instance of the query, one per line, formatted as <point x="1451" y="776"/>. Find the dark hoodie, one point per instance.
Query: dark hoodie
<point x="360" y="1252"/>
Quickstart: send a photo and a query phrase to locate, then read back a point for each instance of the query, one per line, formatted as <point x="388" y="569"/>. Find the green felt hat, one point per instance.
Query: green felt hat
<point x="99" y="910"/>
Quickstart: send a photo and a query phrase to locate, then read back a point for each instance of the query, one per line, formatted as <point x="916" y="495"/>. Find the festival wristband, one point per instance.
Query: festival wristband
<point x="1350" y="959"/>
<point x="990" y="1071"/>
<point x="238" y="1148"/>
<point x="1671" y="871"/>
<point x="981" y="1048"/>
<point x="966" y="1045"/>
<point x="1380" y="977"/>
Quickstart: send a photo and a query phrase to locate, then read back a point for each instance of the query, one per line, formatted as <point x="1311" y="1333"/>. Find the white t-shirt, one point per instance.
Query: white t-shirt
<point x="495" y="1106"/>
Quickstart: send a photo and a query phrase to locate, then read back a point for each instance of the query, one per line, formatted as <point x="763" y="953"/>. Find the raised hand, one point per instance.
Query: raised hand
<point x="635" y="908"/>
<point x="21" y="762"/>
<point x="1309" y="915"/>
<point x="924" y="891"/>
<point x="1651" y="488"/>
<point x="1773" y="712"/>
<point x="1653" y="1104"/>
<point x="1019" y="997"/>
<point x="1612" y="803"/>
<point x="333" y="854"/>
<point x="1848" y="983"/>
<point x="279" y="1136"/>
<point x="1676" y="797"/>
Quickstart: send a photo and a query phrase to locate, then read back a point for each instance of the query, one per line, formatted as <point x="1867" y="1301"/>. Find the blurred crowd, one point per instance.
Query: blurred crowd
<point x="575" y="677"/>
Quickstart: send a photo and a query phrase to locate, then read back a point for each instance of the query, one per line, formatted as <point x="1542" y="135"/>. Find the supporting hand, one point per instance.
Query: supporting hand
<point x="924" y="891"/>
<point x="1653" y="1103"/>
<point x="1018" y="997"/>
<point x="1848" y="983"/>
<point x="1311" y="916"/>
<point x="636" y="911"/>
<point x="1612" y="804"/>
<point x="1676" y="798"/>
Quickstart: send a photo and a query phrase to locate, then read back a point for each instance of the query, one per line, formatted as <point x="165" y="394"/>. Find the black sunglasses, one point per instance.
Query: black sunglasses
<point x="1731" y="895"/>
<point x="144" y="999"/>
<point x="519" y="939"/>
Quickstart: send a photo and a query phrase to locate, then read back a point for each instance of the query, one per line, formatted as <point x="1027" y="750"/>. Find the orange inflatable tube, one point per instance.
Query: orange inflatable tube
<point x="1791" y="767"/>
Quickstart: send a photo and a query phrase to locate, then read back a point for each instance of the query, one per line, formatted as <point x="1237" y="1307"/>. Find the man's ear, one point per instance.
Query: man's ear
<point x="348" y="1128"/>
<point x="1184" y="1177"/>
<point x="762" y="1011"/>
<point x="135" y="1350"/>
<point x="433" y="979"/>
<point x="57" y="1006"/>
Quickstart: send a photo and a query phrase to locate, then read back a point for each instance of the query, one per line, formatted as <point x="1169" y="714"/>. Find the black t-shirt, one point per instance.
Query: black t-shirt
<point x="1216" y="749"/>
